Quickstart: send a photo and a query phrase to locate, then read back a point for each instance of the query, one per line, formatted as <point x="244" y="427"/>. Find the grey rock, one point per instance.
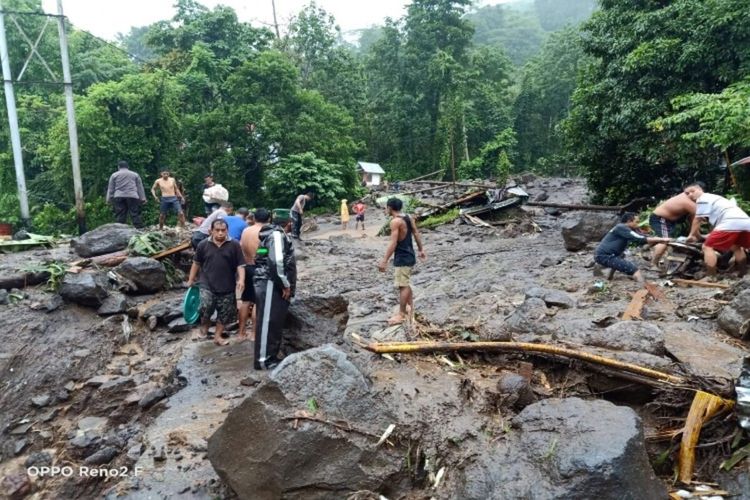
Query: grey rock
<point x="50" y="415"/>
<point x="38" y="458"/>
<point x="552" y="297"/>
<point x="315" y="321"/>
<point x="494" y="329"/>
<point x="116" y="303"/>
<point x="92" y="424"/>
<point x="118" y="384"/>
<point x="19" y="446"/>
<point x="135" y="451"/>
<point x="148" y="275"/>
<point x="734" y="317"/>
<point x="179" y="325"/>
<point x="566" y="448"/>
<point x="4" y="299"/>
<point x="530" y="317"/>
<point x="637" y="336"/>
<point x="165" y="311"/>
<point x="264" y="468"/>
<point x="160" y="456"/>
<point x="103" y="456"/>
<point x="41" y="401"/>
<point x="53" y="303"/>
<point x="104" y="239"/>
<point x="516" y="390"/>
<point x="586" y="228"/>
<point x="152" y="398"/>
<point x="87" y="289"/>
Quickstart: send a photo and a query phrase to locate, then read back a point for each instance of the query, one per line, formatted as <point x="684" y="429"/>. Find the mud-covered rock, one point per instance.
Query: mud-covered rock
<point x="315" y="321"/>
<point x="516" y="390"/>
<point x="588" y="227"/>
<point x="310" y="459"/>
<point x="116" y="303"/>
<point x="164" y="311"/>
<point x="530" y="317"/>
<point x="104" y="239"/>
<point x="552" y="297"/>
<point x="103" y="456"/>
<point x="148" y="275"/>
<point x="637" y="336"/>
<point x="87" y="289"/>
<point x="734" y="317"/>
<point x="566" y="448"/>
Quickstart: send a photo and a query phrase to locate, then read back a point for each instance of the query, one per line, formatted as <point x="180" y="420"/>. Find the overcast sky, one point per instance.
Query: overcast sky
<point x="106" y="18"/>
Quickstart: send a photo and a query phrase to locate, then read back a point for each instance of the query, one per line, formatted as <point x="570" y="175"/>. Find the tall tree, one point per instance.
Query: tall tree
<point x="643" y="55"/>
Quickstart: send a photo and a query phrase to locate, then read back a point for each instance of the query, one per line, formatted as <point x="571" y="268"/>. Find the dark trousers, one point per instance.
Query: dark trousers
<point x="125" y="206"/>
<point x="296" y="224"/>
<point x="270" y="316"/>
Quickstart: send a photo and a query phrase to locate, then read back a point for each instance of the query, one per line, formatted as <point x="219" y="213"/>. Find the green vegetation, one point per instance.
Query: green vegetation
<point x="438" y="220"/>
<point x="638" y="96"/>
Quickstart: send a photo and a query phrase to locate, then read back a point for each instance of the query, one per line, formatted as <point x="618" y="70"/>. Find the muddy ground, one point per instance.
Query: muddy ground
<point x="80" y="390"/>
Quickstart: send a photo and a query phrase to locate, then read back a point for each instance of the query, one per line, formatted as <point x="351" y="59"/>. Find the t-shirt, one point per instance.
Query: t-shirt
<point x="205" y="226"/>
<point x="359" y="208"/>
<point x="617" y="239"/>
<point x="300" y="201"/>
<point x="219" y="264"/>
<point x="235" y="225"/>
<point x="722" y="214"/>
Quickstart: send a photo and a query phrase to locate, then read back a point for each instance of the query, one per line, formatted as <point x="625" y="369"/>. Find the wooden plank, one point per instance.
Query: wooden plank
<point x="477" y="221"/>
<point x="635" y="308"/>
<point x="179" y="248"/>
<point x="655" y="291"/>
<point x="702" y="284"/>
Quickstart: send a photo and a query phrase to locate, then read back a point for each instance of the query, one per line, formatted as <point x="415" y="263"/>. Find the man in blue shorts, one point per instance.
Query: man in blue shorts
<point x="610" y="250"/>
<point x="171" y="198"/>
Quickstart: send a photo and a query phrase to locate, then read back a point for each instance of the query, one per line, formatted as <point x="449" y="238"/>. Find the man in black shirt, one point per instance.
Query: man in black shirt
<point x="610" y="250"/>
<point x="222" y="267"/>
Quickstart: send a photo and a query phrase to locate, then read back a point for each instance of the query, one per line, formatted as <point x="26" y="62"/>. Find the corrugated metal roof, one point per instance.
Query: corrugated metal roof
<point x="370" y="168"/>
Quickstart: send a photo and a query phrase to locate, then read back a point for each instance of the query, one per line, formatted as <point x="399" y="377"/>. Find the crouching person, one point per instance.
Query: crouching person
<point x="610" y="251"/>
<point x="221" y="265"/>
<point x="275" y="281"/>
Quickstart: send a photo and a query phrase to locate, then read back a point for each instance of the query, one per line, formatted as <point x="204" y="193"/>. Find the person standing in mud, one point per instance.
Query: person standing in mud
<point x="664" y="221"/>
<point x="297" y="210"/>
<point x="610" y="250"/>
<point x="731" y="228"/>
<point x="221" y="265"/>
<point x="359" y="209"/>
<point x="171" y="198"/>
<point x="402" y="250"/>
<point x="275" y="281"/>
<point x="250" y="242"/>
<point x="125" y="193"/>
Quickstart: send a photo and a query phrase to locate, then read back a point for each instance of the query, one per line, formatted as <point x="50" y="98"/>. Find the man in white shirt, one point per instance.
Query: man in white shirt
<point x="731" y="227"/>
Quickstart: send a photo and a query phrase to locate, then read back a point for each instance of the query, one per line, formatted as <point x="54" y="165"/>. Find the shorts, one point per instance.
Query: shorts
<point x="724" y="240"/>
<point x="197" y="238"/>
<point x="248" y="294"/>
<point x="169" y="203"/>
<point x="662" y="227"/>
<point x="616" y="263"/>
<point x="224" y="304"/>
<point x="360" y="217"/>
<point x="402" y="276"/>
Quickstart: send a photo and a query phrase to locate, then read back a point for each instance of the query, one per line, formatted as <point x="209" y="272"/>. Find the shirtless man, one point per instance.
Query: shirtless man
<point x="171" y="198"/>
<point x="400" y="246"/>
<point x="665" y="218"/>
<point x="250" y="242"/>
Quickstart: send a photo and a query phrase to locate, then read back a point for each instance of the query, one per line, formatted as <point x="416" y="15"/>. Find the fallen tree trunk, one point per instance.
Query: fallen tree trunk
<point x="22" y="280"/>
<point x="169" y="251"/>
<point x="448" y="206"/>
<point x="425" y="176"/>
<point x="427" y="347"/>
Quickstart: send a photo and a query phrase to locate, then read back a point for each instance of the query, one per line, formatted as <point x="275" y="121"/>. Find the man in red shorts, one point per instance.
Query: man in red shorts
<point x="731" y="227"/>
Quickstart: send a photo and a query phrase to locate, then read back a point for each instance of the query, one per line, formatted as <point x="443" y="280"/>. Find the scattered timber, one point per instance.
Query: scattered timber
<point x="702" y="284"/>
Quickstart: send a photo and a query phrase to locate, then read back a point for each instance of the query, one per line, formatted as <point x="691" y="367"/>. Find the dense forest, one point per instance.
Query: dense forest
<point x="638" y="96"/>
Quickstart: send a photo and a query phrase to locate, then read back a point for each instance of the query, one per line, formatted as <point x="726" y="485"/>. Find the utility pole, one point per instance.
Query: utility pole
<point x="275" y="22"/>
<point x="15" y="136"/>
<point x="72" y="129"/>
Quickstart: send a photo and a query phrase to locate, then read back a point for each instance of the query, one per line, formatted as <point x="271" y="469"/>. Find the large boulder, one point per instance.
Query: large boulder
<point x="552" y="297"/>
<point x="311" y="458"/>
<point x="636" y="336"/>
<point x="734" y="318"/>
<point x="104" y="239"/>
<point x="87" y="289"/>
<point x="587" y="228"/>
<point x="143" y="275"/>
<point x="531" y="317"/>
<point x="566" y="448"/>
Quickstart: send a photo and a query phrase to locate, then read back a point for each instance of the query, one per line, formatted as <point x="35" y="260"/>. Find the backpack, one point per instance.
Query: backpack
<point x="276" y="257"/>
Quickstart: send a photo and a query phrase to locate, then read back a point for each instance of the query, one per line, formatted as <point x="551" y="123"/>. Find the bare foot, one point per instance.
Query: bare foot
<point x="219" y="341"/>
<point x="396" y="320"/>
<point x="241" y="338"/>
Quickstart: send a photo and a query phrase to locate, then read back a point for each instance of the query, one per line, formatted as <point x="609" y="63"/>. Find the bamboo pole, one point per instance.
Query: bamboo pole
<point x="705" y="406"/>
<point x="426" y="347"/>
